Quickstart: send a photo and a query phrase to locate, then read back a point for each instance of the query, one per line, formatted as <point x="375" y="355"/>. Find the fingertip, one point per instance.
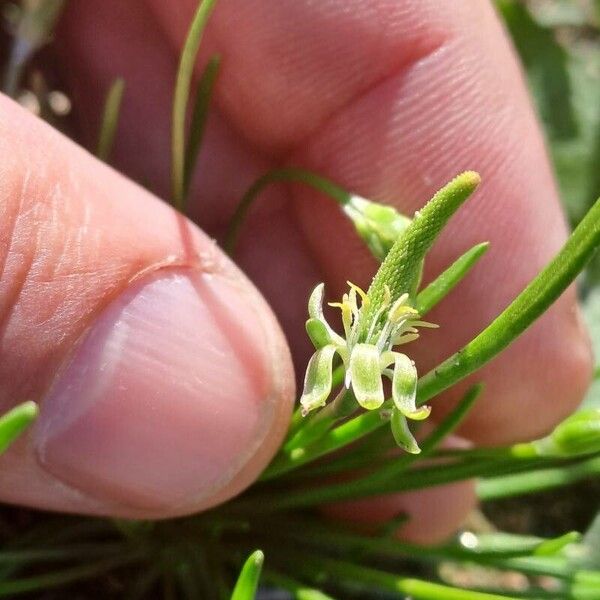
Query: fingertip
<point x="174" y="400"/>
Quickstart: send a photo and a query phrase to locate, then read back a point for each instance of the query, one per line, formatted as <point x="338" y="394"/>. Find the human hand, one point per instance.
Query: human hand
<point x="164" y="381"/>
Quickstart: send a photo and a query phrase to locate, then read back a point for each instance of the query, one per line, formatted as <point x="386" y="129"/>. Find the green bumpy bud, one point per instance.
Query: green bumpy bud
<point x="578" y="435"/>
<point x="379" y="226"/>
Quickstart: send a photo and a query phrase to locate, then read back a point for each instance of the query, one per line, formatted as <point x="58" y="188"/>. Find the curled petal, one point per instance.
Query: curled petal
<point x="365" y="376"/>
<point x="404" y="388"/>
<point x="401" y="432"/>
<point x="319" y="331"/>
<point x="318" y="379"/>
<point x="315" y="302"/>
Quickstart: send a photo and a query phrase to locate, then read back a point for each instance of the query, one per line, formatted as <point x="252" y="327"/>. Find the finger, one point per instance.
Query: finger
<point x="431" y="89"/>
<point x="164" y="381"/>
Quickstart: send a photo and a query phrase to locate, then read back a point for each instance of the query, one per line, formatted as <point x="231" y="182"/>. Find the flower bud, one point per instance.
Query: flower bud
<point x="378" y="225"/>
<point x="575" y="436"/>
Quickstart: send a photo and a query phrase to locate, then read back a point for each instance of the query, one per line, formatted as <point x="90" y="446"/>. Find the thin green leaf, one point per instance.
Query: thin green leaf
<point x="15" y="421"/>
<point x="247" y="583"/>
<point x="110" y="119"/>
<point x="337" y="571"/>
<point x="39" y="583"/>
<point x="286" y="175"/>
<point x="199" y="118"/>
<point x="181" y="99"/>
<point x="440" y="287"/>
<point x="530" y="304"/>
<point x="532" y="481"/>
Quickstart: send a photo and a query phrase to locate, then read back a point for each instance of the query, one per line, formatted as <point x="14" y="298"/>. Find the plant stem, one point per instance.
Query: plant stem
<point x="530" y="482"/>
<point x="58" y="578"/>
<point x="110" y="119"/>
<point x="181" y="98"/>
<point x="337" y="570"/>
<point x="290" y="175"/>
<point x="333" y="440"/>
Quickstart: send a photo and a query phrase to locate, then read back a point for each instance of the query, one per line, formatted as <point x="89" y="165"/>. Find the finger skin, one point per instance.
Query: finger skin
<point x="391" y="99"/>
<point x="75" y="238"/>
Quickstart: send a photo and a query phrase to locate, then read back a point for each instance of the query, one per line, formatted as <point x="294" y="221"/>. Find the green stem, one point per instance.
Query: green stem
<point x="290" y="175"/>
<point x="530" y="482"/>
<point x="337" y="570"/>
<point x="181" y="98"/>
<point x="333" y="440"/>
<point x="414" y="479"/>
<point x="322" y="535"/>
<point x="59" y="578"/>
<point x="110" y="119"/>
<point x="342" y="406"/>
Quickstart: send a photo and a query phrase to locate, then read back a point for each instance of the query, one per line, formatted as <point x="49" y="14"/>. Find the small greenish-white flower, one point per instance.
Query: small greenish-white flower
<point x="378" y="225"/>
<point x="367" y="355"/>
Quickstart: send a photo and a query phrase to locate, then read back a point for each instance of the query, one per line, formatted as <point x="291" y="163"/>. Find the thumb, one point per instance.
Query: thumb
<point x="163" y="378"/>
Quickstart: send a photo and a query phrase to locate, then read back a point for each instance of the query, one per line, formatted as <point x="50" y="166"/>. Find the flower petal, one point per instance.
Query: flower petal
<point x="404" y="438"/>
<point x="404" y="388"/>
<point x="318" y="379"/>
<point x="319" y="331"/>
<point x="365" y="376"/>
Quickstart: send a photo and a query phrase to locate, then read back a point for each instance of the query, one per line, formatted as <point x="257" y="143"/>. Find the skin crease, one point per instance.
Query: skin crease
<point x="390" y="98"/>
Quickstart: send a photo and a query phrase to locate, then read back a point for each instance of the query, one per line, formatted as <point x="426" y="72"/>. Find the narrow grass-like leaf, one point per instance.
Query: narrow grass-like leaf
<point x="498" y="550"/>
<point x="538" y="480"/>
<point x="199" y="117"/>
<point x="286" y="175"/>
<point x="15" y="421"/>
<point x="338" y="571"/>
<point x="181" y="98"/>
<point x="247" y="583"/>
<point x="531" y="303"/>
<point x="440" y="287"/>
<point x="110" y="119"/>
<point x="40" y="583"/>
